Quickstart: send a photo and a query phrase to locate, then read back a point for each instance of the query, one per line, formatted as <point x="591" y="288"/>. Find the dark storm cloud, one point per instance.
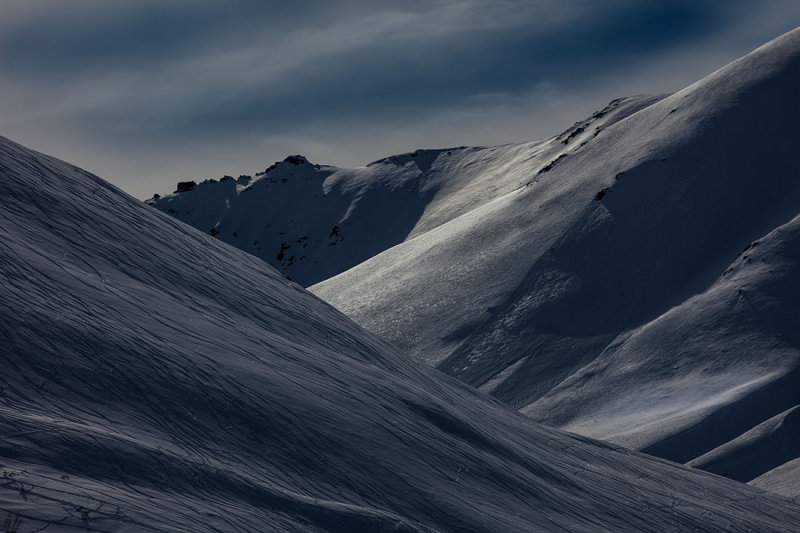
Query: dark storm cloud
<point x="149" y="73"/>
<point x="417" y="75"/>
<point x="477" y="50"/>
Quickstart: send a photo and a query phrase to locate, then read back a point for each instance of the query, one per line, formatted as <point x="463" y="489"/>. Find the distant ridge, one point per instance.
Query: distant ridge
<point x="312" y="222"/>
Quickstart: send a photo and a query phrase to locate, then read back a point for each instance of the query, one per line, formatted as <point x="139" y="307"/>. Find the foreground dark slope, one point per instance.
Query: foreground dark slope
<point x="156" y="379"/>
<point x="539" y="296"/>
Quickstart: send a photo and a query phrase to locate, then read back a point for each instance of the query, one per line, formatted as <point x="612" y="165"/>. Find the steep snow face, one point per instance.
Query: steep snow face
<point x="655" y="207"/>
<point x="156" y="379"/>
<point x="700" y="379"/>
<point x="531" y="296"/>
<point x="312" y="222"/>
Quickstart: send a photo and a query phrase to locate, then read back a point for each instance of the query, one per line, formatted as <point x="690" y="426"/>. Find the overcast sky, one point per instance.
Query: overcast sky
<point x="149" y="92"/>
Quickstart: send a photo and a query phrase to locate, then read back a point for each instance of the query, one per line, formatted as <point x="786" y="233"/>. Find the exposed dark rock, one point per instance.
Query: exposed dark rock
<point x="296" y="159"/>
<point x="184" y="186"/>
<point x="282" y="251"/>
<point x="549" y="166"/>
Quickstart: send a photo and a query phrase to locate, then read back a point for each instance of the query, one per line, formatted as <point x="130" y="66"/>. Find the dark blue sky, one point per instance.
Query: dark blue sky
<point x="148" y="92"/>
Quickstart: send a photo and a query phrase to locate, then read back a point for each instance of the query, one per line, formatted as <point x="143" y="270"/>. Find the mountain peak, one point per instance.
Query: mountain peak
<point x="296" y="160"/>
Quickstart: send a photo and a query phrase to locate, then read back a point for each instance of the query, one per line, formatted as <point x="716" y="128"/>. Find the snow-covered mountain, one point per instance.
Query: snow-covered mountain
<point x="312" y="222"/>
<point x="156" y="379"/>
<point x="611" y="296"/>
<point x="596" y="280"/>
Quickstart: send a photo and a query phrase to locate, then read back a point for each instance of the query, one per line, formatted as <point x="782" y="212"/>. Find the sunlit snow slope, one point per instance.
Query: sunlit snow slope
<point x="157" y="379"/>
<point x="610" y="295"/>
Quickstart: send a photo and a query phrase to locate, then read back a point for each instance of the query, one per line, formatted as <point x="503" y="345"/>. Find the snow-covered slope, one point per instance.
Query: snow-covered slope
<point x="701" y="378"/>
<point x="605" y="273"/>
<point x="781" y="480"/>
<point x="312" y="222"/>
<point x="157" y="379"/>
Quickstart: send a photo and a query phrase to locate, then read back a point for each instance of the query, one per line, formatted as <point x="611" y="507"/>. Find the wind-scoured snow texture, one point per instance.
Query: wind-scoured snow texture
<point x="312" y="222"/>
<point x="156" y="379"/>
<point x="592" y="299"/>
<point x="781" y="480"/>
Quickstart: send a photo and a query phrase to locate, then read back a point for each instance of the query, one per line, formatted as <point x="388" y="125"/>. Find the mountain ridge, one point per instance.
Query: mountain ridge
<point x="312" y="222"/>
